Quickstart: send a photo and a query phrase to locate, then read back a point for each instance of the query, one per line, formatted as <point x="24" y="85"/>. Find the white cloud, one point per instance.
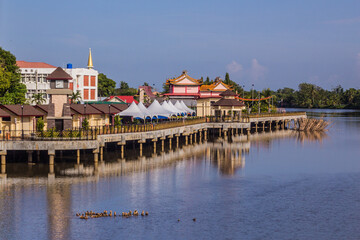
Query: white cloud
<point x="234" y="67"/>
<point x="257" y="71"/>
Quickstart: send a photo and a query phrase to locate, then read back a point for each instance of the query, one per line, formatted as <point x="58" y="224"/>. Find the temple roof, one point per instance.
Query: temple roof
<point x="59" y="74"/>
<point x="184" y="79"/>
<point x="213" y="86"/>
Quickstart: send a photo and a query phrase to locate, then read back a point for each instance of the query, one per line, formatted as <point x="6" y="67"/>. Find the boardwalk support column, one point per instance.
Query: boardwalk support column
<point x="162" y="144"/>
<point x="191" y="139"/>
<point x="170" y="139"/>
<point x="141" y="146"/>
<point x="51" y="173"/>
<point x="96" y="155"/>
<point x="78" y="156"/>
<point x="30" y="158"/>
<point x="155" y="141"/>
<point x="177" y="140"/>
<point x="186" y="140"/>
<point x="205" y="134"/>
<point x="263" y="126"/>
<point x="122" y="144"/>
<point x="101" y="153"/>
<point x="3" y="163"/>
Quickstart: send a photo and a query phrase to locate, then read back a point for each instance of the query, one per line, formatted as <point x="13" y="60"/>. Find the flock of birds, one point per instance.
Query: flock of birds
<point x="91" y="214"/>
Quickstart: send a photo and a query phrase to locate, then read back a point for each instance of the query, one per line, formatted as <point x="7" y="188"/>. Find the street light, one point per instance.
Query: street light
<point x="109" y="115"/>
<point x="22" y="121"/>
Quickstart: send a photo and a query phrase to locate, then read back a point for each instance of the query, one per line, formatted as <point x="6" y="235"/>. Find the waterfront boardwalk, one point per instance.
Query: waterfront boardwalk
<point x="187" y="131"/>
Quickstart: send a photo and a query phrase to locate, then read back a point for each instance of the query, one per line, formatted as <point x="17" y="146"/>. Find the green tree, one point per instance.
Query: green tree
<point x="227" y="79"/>
<point x="117" y="121"/>
<point x="38" y="98"/>
<point x="75" y="97"/>
<point x="145" y="84"/>
<point x="106" y="86"/>
<point x="165" y="88"/>
<point x="40" y="125"/>
<point x="85" y="124"/>
<point x="12" y="91"/>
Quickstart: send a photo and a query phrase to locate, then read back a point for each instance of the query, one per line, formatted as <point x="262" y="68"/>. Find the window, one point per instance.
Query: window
<point x="93" y="81"/>
<point x="6" y="119"/>
<point x="86" y="94"/>
<point x="59" y="84"/>
<point x="92" y="93"/>
<point x="86" y="80"/>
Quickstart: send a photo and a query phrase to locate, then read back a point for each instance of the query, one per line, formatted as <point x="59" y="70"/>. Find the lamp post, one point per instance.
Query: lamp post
<point x="109" y="115"/>
<point x="22" y="121"/>
<point x="243" y="90"/>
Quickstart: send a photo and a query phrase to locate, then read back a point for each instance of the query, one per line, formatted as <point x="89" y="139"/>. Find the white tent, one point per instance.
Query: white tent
<point x="188" y="110"/>
<point x="157" y="110"/>
<point x="179" y="111"/>
<point x="133" y="111"/>
<point x="166" y="106"/>
<point x="179" y="106"/>
<point x="145" y="110"/>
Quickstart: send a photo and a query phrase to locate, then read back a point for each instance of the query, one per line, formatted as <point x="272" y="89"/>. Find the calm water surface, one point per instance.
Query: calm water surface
<point x="281" y="185"/>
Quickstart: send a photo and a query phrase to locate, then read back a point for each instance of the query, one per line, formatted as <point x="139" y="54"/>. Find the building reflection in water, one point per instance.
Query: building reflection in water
<point x="58" y="211"/>
<point x="228" y="156"/>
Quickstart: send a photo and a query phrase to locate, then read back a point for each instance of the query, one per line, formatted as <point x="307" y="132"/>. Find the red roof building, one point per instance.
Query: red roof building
<point x="124" y="99"/>
<point x="24" y="64"/>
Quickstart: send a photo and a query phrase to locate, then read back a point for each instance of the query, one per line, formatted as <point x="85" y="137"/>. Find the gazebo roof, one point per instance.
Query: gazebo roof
<point x="228" y="93"/>
<point x="59" y="74"/>
<point x="228" y="103"/>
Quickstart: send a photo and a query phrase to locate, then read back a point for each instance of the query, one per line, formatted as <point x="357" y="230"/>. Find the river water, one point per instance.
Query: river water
<point x="279" y="185"/>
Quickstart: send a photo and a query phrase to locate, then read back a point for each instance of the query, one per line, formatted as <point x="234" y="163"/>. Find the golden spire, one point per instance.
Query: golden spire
<point x="90" y="63"/>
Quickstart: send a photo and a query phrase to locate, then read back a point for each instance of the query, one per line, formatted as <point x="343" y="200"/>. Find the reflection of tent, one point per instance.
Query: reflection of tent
<point x="144" y="110"/>
<point x="188" y="110"/>
<point x="179" y="111"/>
<point x="157" y="110"/>
<point x="133" y="111"/>
<point x="166" y="106"/>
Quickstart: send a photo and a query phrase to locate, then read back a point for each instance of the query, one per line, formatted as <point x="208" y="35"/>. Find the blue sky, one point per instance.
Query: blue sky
<point x="266" y="43"/>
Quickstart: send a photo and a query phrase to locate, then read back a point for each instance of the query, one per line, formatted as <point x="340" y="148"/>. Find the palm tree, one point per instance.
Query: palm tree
<point x="38" y="98"/>
<point x="75" y="97"/>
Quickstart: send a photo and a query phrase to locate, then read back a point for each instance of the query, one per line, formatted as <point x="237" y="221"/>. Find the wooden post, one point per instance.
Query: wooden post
<point x="78" y="156"/>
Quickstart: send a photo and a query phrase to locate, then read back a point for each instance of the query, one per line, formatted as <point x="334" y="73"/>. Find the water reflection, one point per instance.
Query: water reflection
<point x="227" y="155"/>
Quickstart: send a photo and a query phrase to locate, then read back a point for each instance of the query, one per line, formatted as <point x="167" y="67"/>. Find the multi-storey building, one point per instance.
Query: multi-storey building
<point x="84" y="80"/>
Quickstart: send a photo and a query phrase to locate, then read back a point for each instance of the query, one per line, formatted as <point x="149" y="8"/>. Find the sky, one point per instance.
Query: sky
<point x="271" y="44"/>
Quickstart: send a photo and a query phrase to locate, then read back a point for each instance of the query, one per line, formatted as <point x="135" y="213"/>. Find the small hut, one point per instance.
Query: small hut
<point x="228" y="105"/>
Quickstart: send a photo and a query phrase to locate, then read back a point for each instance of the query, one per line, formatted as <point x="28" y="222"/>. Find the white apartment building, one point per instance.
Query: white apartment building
<point x="33" y="75"/>
<point x="85" y="80"/>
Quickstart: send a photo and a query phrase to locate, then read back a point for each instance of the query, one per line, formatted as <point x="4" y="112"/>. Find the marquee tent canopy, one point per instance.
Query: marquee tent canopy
<point x="157" y="110"/>
<point x="133" y="111"/>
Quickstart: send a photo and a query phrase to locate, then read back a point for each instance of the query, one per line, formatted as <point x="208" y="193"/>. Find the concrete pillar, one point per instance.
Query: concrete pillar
<point x="177" y="141"/>
<point x="248" y="131"/>
<point x="263" y="126"/>
<point x="155" y="141"/>
<point x="220" y="132"/>
<point x="51" y="157"/>
<point x="3" y="163"/>
<point x="256" y="127"/>
<point x="283" y="123"/>
<point x="78" y="156"/>
<point x="170" y="140"/>
<point x="200" y="136"/>
<point x="96" y="155"/>
<point x="122" y="144"/>
<point x="236" y="131"/>
<point x="186" y="140"/>
<point x="270" y="126"/>
<point x="205" y="135"/>
<point x="162" y="144"/>
<point x="225" y="133"/>
<point x="241" y="131"/>
<point x="140" y="148"/>
<point x="122" y="151"/>
<point x="195" y="137"/>
<point x="101" y="154"/>
<point x="191" y="139"/>
<point x="29" y="154"/>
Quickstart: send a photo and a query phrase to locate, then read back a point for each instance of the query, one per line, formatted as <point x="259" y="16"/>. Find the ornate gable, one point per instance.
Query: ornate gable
<point x="184" y="79"/>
